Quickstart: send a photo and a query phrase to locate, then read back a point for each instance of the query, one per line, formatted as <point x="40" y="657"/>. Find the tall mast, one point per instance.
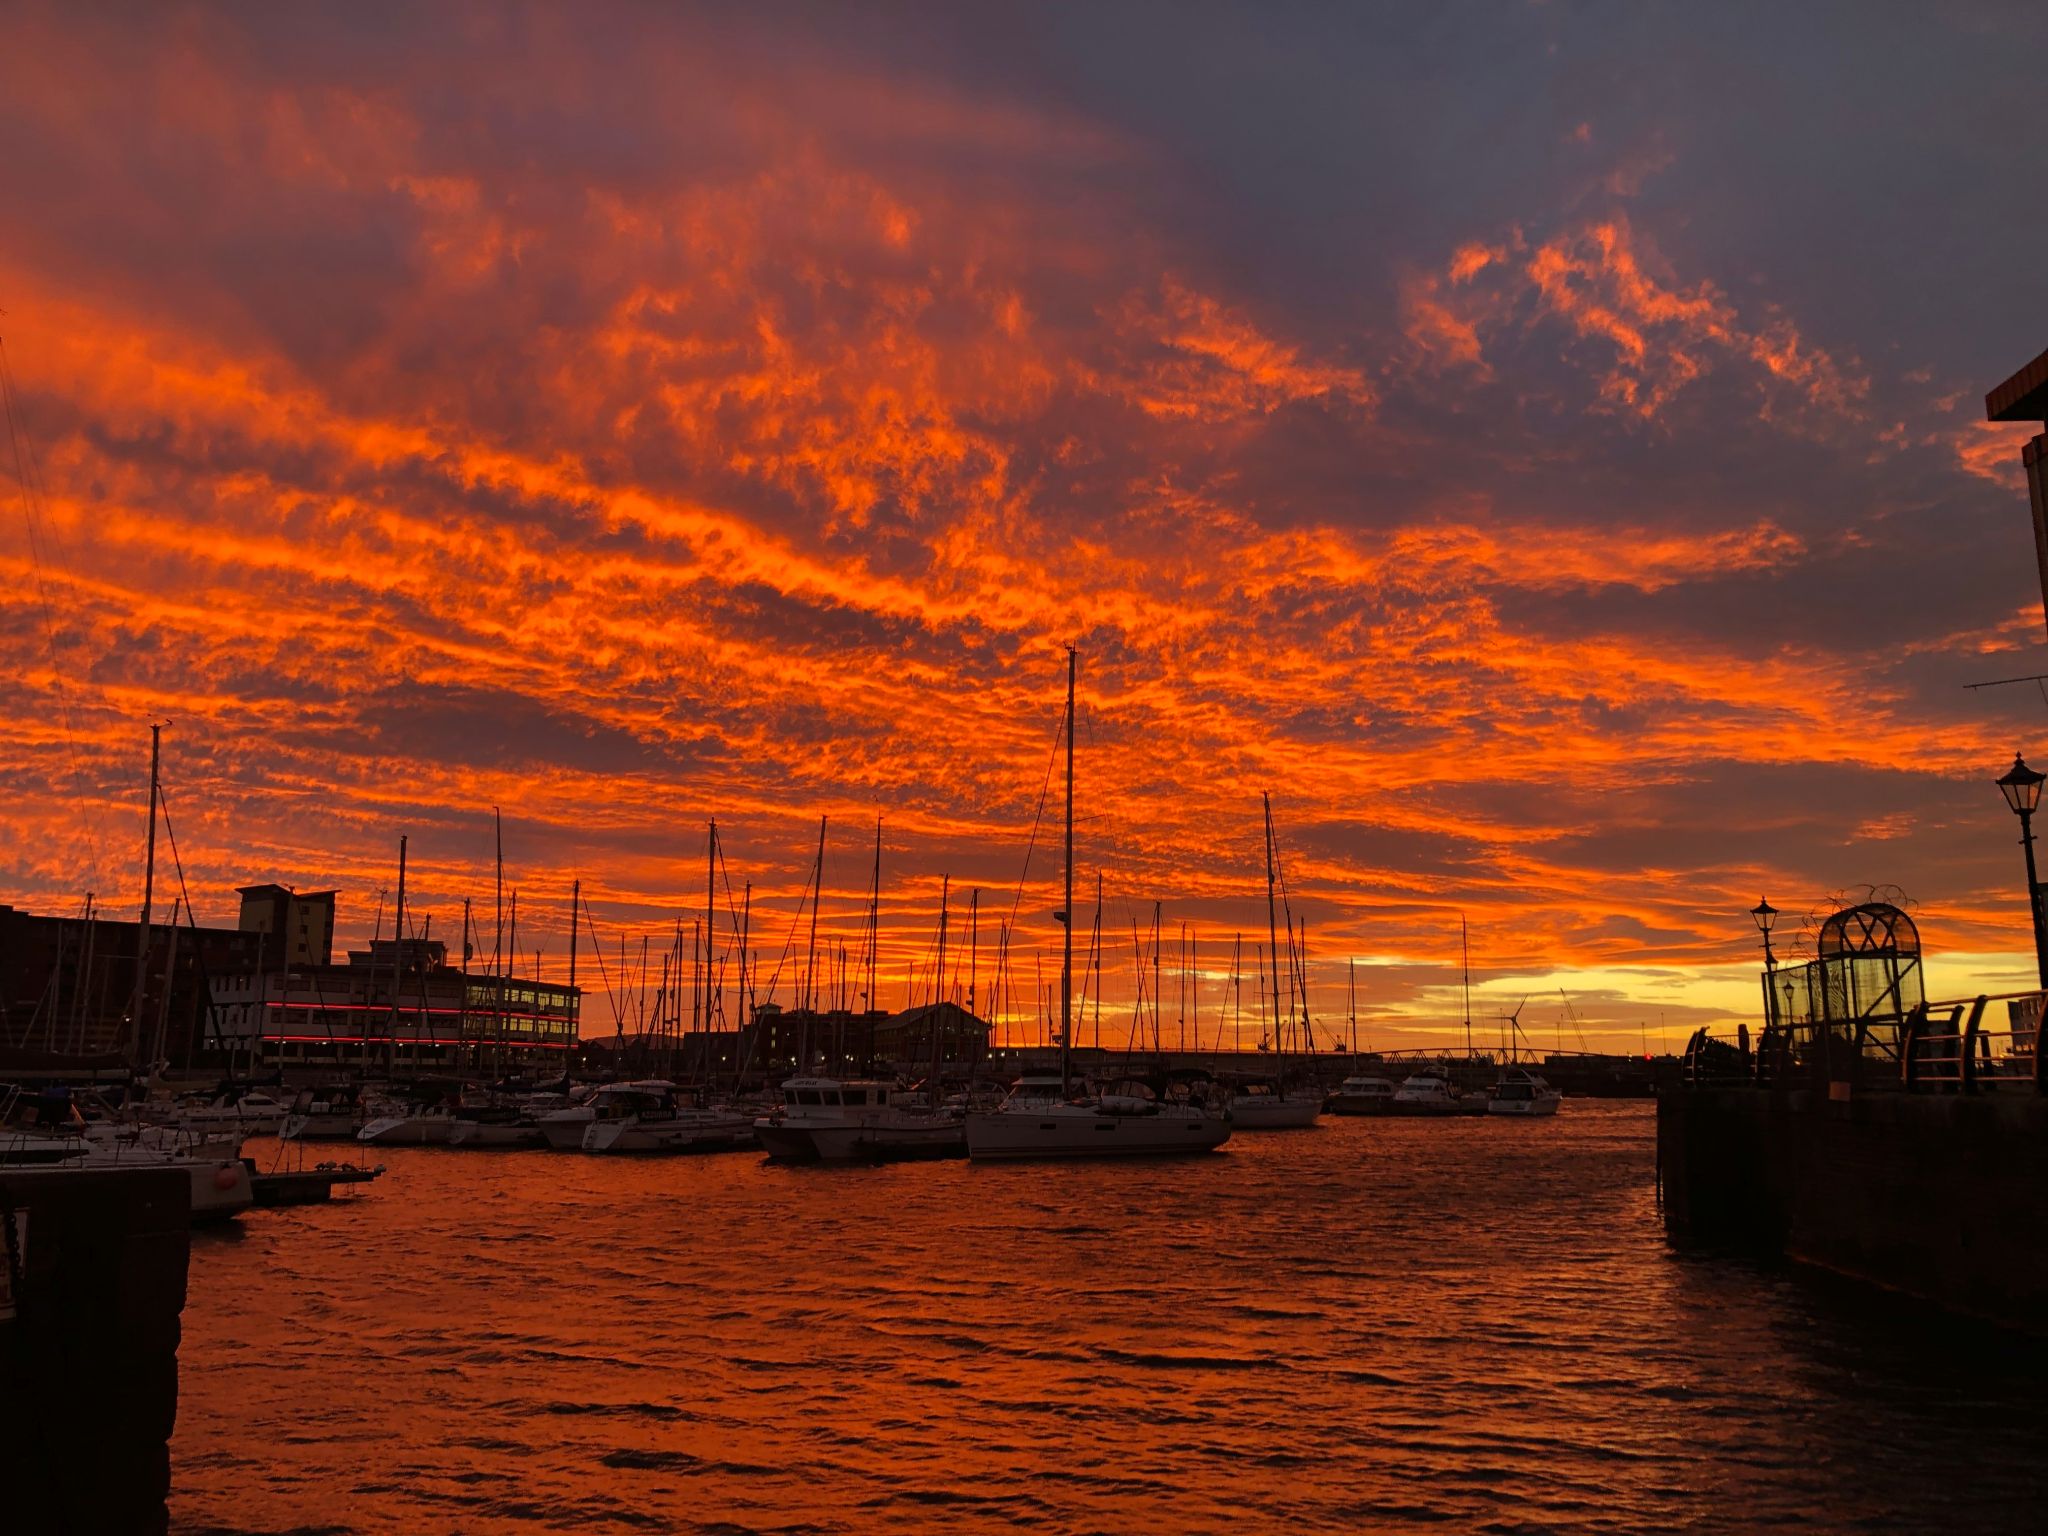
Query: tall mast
<point x="817" y="888"/>
<point x="397" y="947"/>
<point x="714" y="990"/>
<point x="1352" y="988"/>
<point x="1465" y="947"/>
<point x="148" y="896"/>
<point x="1095" y="950"/>
<point x="939" y="1004"/>
<point x="1067" y="908"/>
<point x="1273" y="944"/>
<point x="874" y="922"/>
<point x="575" y="1002"/>
<point x="746" y="922"/>
<point x="1308" y="1030"/>
<point x="973" y="944"/>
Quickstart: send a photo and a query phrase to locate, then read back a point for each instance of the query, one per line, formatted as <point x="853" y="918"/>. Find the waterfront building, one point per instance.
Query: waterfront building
<point x="70" y="1005"/>
<point x="397" y="1005"/>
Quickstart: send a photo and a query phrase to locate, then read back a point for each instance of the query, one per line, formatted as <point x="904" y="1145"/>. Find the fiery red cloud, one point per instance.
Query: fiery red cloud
<point x="697" y="427"/>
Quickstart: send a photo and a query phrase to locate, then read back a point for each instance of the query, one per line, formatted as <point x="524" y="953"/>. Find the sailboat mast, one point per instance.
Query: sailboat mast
<point x="575" y="1001"/>
<point x="1067" y="907"/>
<point x="938" y="1006"/>
<point x="1273" y="940"/>
<point x="156" y="733"/>
<point x="714" y="990"/>
<point x="817" y="889"/>
<point x="874" y="922"/>
<point x="398" y="946"/>
<point x="1095" y="951"/>
<point x="1465" y="948"/>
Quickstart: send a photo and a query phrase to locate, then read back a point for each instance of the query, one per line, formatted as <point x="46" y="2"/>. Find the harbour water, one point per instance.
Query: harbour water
<point x="1377" y="1324"/>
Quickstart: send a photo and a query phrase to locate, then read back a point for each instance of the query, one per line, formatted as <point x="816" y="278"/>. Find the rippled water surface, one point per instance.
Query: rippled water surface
<point x="1372" y="1325"/>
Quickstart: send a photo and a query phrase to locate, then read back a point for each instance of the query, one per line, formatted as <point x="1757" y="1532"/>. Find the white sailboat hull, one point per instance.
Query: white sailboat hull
<point x="1543" y="1104"/>
<point x="407" y="1131"/>
<point x="509" y="1133"/>
<point x="322" y="1125"/>
<point x="1063" y="1131"/>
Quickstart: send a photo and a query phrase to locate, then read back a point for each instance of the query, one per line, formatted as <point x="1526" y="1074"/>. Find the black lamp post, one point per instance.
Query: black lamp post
<point x="2021" y="787"/>
<point x="1765" y="914"/>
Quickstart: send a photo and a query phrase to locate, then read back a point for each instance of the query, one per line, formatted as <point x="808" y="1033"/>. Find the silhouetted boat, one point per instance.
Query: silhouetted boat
<point x="1362" y="1096"/>
<point x="1522" y="1092"/>
<point x="1044" y="1117"/>
<point x="824" y="1119"/>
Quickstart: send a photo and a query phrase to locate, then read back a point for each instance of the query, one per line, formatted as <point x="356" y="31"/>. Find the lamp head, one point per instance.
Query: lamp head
<point x="1765" y="915"/>
<point x="2021" y="786"/>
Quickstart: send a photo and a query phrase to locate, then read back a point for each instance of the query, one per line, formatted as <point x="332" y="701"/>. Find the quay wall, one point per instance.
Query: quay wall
<point x="1940" y="1196"/>
<point x="89" y="1359"/>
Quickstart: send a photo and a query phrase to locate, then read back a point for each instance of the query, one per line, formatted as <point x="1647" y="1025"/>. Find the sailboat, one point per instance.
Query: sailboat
<point x="1275" y="1108"/>
<point x="827" y="1119"/>
<point x="1044" y="1116"/>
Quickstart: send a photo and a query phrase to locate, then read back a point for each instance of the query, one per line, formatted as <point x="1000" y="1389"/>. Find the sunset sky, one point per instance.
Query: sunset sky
<point x="1542" y="446"/>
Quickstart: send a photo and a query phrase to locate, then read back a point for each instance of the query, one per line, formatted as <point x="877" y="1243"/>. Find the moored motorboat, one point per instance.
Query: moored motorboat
<point x="1522" y="1092"/>
<point x="333" y="1113"/>
<point x="1041" y="1120"/>
<point x="658" y="1122"/>
<point x="1362" y="1096"/>
<point x="563" y="1128"/>
<point x="249" y="1112"/>
<point x="1268" y="1107"/>
<point x="1428" y="1092"/>
<point x="823" y="1119"/>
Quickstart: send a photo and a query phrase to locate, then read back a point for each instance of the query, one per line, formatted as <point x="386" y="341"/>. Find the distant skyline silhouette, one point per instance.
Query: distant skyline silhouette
<point x="1544" y="450"/>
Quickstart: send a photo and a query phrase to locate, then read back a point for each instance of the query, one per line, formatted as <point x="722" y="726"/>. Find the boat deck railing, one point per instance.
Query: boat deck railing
<point x="1954" y="1046"/>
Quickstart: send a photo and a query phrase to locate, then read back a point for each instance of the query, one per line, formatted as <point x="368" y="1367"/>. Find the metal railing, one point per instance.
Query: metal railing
<point x="1937" y="1047"/>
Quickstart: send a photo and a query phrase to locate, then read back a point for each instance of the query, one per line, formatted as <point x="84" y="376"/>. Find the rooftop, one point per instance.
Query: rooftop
<point x="2023" y="397"/>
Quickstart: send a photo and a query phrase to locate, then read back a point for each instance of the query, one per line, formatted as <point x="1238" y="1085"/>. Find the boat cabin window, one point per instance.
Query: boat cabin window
<point x="789" y="1095"/>
<point x="807" y="1096"/>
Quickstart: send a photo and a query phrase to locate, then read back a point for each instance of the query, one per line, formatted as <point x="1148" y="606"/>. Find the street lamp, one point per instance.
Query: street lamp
<point x="1765" y="915"/>
<point x="2021" y="787"/>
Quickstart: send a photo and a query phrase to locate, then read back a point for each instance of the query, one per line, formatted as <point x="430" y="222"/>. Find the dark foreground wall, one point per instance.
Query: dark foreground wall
<point x="1944" y="1197"/>
<point x="89" y="1361"/>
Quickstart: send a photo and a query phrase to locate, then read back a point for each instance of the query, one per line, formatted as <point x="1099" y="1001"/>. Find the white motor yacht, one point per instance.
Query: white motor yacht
<point x="1522" y="1092"/>
<point x="1362" y="1096"/>
<point x="654" y="1121"/>
<point x="1040" y="1120"/>
<point x="563" y="1128"/>
<point x="1266" y="1107"/>
<point x="824" y="1119"/>
<point x="333" y="1113"/>
<point x="254" y="1113"/>
<point x="1425" y="1093"/>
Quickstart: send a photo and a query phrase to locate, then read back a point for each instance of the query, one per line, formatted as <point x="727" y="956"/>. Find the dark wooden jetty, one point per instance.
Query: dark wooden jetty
<point x="306" y="1186"/>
